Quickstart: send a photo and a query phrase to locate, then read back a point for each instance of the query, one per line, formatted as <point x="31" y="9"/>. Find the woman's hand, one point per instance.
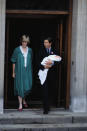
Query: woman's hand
<point x="13" y="75"/>
<point x="13" y="70"/>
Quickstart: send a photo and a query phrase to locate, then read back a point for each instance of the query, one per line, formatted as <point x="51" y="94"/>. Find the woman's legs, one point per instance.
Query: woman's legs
<point x="20" y="99"/>
<point x="20" y="102"/>
<point x="25" y="103"/>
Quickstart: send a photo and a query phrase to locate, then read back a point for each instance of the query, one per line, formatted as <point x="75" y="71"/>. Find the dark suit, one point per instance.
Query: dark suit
<point x="49" y="86"/>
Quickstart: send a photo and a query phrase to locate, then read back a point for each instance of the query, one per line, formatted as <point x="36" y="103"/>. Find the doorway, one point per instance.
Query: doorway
<point x="37" y="28"/>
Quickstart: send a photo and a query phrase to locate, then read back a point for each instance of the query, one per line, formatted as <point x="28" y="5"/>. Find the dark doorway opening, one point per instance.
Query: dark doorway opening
<point x="37" y="29"/>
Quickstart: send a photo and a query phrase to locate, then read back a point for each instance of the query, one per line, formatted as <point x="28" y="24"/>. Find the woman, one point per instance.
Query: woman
<point x="22" y="71"/>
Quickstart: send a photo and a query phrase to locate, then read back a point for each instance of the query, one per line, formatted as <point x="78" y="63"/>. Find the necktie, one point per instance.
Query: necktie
<point x="48" y="51"/>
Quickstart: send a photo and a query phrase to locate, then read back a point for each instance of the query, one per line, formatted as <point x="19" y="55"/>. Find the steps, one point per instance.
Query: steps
<point x="34" y="120"/>
<point x="44" y="127"/>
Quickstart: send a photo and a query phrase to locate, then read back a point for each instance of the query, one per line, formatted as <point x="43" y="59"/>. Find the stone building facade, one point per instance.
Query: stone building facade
<point x="78" y="73"/>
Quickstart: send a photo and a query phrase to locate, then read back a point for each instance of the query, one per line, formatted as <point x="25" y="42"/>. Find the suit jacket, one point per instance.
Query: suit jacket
<point x="52" y="71"/>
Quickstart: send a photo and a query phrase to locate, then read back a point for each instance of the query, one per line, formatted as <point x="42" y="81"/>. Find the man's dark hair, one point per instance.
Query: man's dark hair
<point x="49" y="39"/>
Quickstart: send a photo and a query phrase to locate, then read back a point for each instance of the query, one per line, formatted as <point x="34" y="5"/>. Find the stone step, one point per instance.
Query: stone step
<point x="41" y="119"/>
<point x="37" y="117"/>
<point x="44" y="127"/>
<point x="79" y="119"/>
<point x="34" y="116"/>
<point x="36" y="120"/>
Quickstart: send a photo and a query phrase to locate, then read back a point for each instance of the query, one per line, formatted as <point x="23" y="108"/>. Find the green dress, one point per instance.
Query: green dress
<point x="23" y="75"/>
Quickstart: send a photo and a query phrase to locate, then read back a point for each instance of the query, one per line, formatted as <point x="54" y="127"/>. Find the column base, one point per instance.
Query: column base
<point x="78" y="105"/>
<point x="1" y="106"/>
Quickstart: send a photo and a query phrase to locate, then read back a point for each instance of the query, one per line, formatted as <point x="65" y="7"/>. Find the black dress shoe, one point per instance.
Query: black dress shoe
<point x="48" y="109"/>
<point x="45" y="112"/>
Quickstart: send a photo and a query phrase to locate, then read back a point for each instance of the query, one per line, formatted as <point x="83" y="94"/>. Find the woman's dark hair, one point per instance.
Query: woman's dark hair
<point x="49" y="39"/>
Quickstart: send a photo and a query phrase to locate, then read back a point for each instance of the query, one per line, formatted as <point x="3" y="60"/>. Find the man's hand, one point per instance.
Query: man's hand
<point x="47" y="66"/>
<point x="49" y="62"/>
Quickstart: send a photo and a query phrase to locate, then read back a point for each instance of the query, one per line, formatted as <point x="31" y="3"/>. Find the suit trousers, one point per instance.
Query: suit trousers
<point x="45" y="93"/>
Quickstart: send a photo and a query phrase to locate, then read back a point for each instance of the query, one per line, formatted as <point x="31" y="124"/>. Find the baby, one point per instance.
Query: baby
<point x="43" y="73"/>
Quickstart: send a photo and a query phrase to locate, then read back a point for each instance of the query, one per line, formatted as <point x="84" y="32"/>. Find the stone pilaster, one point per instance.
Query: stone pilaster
<point x="79" y="57"/>
<point x="2" y="51"/>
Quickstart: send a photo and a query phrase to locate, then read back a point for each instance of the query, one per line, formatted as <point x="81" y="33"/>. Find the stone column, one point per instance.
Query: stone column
<point x="79" y="57"/>
<point x="2" y="51"/>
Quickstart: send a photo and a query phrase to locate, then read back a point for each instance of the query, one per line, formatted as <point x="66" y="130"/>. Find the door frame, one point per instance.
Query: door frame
<point x="35" y="13"/>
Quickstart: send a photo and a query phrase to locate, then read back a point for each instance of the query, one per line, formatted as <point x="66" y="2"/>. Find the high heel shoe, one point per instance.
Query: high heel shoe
<point x="25" y="105"/>
<point x="20" y="109"/>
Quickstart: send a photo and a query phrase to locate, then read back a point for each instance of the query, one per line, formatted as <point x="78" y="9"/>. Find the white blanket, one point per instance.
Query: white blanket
<point x="43" y="73"/>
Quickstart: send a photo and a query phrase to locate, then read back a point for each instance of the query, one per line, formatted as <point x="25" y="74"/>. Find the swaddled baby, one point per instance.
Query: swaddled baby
<point x="43" y="73"/>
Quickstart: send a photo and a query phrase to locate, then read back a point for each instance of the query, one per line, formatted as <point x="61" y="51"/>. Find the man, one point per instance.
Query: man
<point x="48" y="88"/>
